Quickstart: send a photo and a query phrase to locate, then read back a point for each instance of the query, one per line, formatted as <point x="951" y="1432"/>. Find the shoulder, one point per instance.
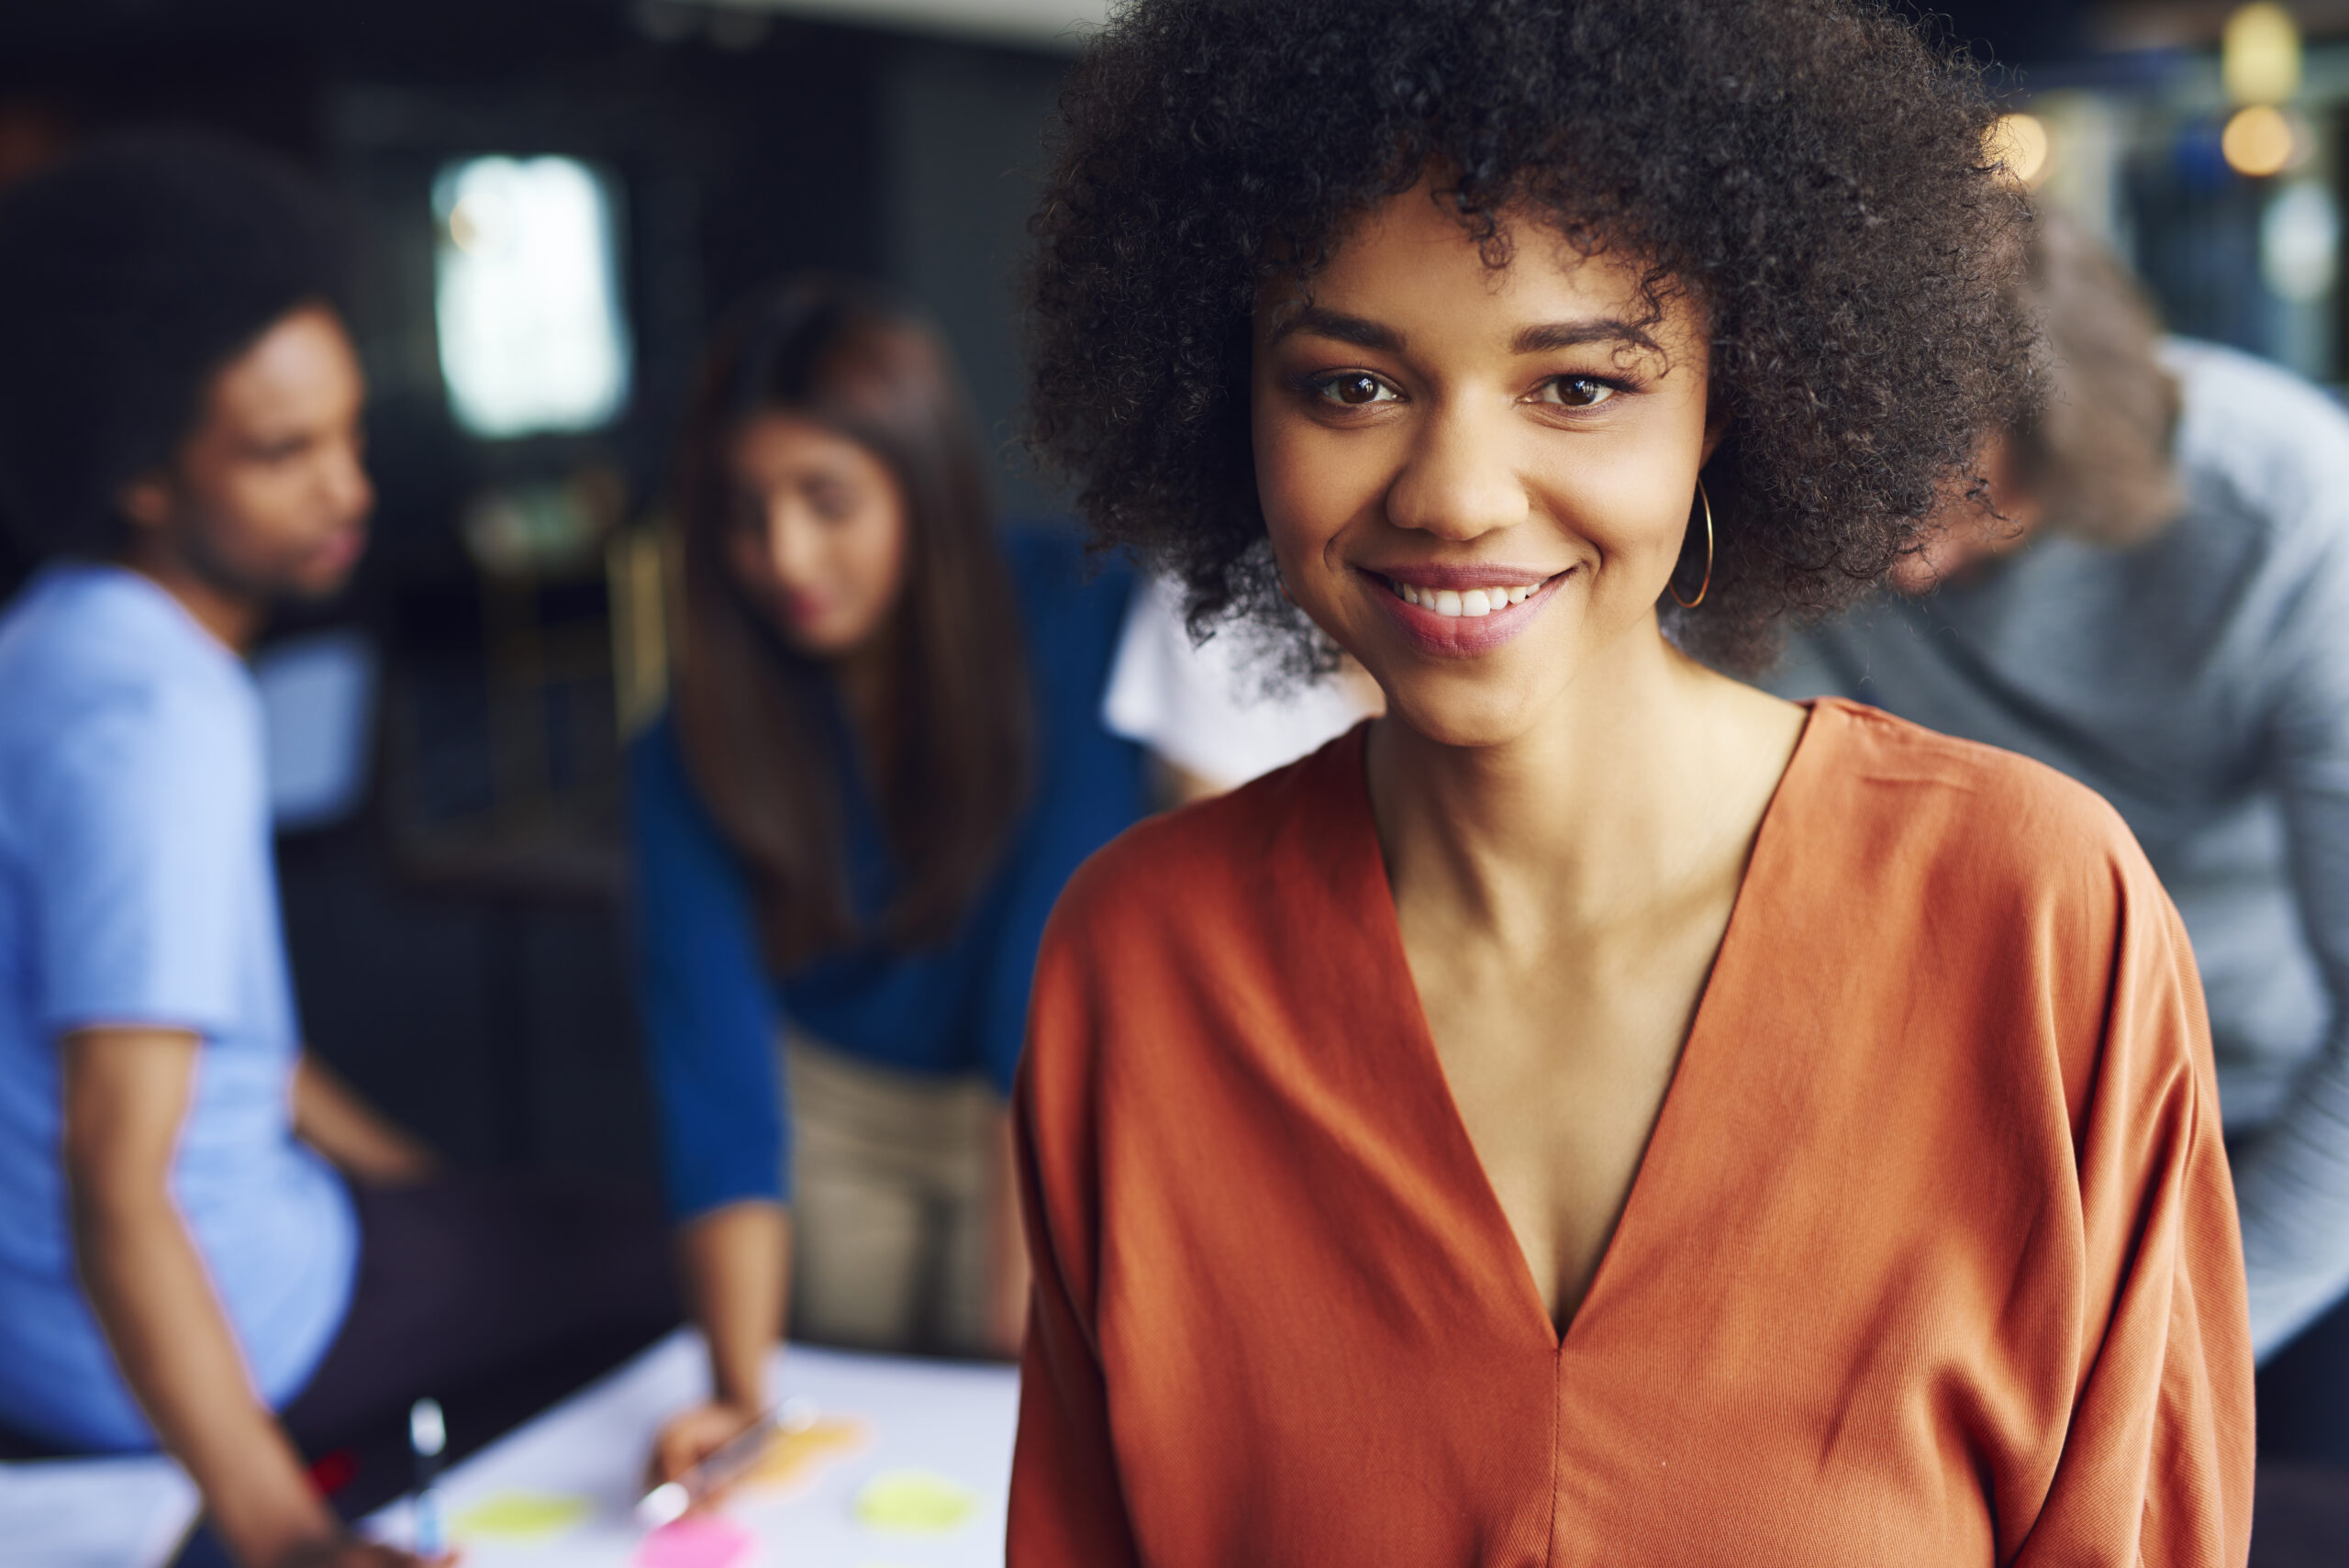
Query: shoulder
<point x="2258" y="447"/>
<point x="655" y="760"/>
<point x="662" y="796"/>
<point x="1073" y="607"/>
<point x="1213" y="870"/>
<point x="1941" y="818"/>
<point x="1053" y="569"/>
<point x="90" y="650"/>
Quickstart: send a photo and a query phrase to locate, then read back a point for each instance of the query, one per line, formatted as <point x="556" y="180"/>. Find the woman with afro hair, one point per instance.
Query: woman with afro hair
<point x="1596" y="1112"/>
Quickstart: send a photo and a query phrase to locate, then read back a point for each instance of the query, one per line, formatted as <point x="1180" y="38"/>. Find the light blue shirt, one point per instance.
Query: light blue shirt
<point x="2201" y="683"/>
<point x="137" y="887"/>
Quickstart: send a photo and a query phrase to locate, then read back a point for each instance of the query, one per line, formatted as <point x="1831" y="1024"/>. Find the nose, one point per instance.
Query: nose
<point x="1460" y="481"/>
<point x="789" y="542"/>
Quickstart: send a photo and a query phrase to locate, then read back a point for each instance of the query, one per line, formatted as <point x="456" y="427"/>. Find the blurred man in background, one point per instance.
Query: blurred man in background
<point x="2160" y="607"/>
<point x="205" y="1238"/>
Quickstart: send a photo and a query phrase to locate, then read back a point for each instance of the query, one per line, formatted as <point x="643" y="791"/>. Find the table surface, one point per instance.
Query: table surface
<point x="951" y="1420"/>
<point x="129" y="1512"/>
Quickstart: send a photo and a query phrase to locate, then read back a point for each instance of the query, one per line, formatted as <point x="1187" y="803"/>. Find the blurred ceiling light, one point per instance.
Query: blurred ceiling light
<point x="2259" y="55"/>
<point x="527" y="296"/>
<point x="2262" y="140"/>
<point x="2021" y="143"/>
<point x="2300" y="242"/>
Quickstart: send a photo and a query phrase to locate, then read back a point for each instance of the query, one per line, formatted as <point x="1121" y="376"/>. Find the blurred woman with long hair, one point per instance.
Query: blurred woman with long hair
<point x="880" y="763"/>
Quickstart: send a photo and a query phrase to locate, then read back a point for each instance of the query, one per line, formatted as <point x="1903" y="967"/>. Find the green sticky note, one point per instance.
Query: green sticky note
<point x="523" y="1516"/>
<point x="914" y="1502"/>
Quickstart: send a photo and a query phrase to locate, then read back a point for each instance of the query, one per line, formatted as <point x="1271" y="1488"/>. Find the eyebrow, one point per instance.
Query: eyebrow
<point x="1552" y="335"/>
<point x="1547" y="337"/>
<point x="1361" y="332"/>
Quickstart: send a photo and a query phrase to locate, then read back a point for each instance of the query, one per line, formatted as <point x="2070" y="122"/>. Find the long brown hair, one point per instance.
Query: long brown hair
<point x="754" y="717"/>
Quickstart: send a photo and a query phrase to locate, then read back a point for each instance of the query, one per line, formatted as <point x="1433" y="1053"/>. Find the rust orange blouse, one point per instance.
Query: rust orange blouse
<point x="1930" y="1259"/>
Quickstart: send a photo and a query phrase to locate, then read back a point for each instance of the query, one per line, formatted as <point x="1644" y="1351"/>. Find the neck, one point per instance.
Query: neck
<point x="234" y="619"/>
<point x="1617" y="797"/>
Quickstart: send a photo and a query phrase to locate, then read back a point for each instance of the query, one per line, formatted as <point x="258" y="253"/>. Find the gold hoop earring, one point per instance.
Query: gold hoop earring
<point x="1707" y="502"/>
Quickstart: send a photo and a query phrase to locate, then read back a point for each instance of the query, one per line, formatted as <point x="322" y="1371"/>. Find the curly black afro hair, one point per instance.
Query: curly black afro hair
<point x="1812" y="172"/>
<point x="129" y="274"/>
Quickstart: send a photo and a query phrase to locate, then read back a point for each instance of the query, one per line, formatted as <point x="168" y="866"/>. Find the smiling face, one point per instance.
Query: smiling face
<point x="1476" y="481"/>
<point x="815" y="532"/>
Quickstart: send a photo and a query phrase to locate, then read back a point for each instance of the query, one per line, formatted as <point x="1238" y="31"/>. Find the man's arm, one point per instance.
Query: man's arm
<point x="126" y="1094"/>
<point x="330" y="1117"/>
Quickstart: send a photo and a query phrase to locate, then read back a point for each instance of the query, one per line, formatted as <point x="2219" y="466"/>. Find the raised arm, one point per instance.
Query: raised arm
<point x="710" y="1023"/>
<point x="126" y="1094"/>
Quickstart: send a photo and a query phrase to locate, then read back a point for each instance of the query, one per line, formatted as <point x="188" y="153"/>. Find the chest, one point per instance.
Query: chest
<point x="1558" y="1062"/>
<point x="1746" y="1375"/>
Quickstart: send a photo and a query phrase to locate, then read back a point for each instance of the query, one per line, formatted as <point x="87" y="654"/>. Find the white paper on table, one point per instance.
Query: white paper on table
<point x="952" y="1418"/>
<point x="128" y="1512"/>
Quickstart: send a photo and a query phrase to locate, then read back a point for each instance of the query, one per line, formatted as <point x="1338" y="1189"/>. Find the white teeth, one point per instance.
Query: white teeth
<point x="1466" y="602"/>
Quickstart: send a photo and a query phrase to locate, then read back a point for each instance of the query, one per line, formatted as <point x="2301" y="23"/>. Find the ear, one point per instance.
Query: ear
<point x="146" y="502"/>
<point x="1716" y="426"/>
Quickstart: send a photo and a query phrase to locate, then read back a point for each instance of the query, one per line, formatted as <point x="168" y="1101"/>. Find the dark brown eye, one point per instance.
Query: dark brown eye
<point x="1575" y="392"/>
<point x="1355" y="389"/>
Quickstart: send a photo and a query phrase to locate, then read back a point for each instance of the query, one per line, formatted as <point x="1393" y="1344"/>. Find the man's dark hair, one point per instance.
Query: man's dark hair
<point x="130" y="273"/>
<point x="1811" y="172"/>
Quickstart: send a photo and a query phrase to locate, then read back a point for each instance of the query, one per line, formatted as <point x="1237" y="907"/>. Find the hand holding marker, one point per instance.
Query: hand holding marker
<point x="724" y="1466"/>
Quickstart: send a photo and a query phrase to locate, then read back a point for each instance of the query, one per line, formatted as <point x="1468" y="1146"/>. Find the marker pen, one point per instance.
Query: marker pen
<point x="428" y="1434"/>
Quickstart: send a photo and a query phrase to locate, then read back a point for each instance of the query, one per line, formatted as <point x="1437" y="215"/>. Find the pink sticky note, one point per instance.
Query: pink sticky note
<point x="697" y="1541"/>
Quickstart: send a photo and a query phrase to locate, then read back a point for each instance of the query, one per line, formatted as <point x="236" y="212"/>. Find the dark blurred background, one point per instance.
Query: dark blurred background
<point x="551" y="198"/>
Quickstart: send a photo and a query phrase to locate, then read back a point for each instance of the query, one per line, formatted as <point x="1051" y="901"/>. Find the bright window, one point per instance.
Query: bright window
<point x="527" y="294"/>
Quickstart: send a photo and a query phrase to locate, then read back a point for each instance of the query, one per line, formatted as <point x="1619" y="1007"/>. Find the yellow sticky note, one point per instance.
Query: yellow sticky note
<point x="521" y="1517"/>
<point x="914" y="1502"/>
<point x="793" y="1457"/>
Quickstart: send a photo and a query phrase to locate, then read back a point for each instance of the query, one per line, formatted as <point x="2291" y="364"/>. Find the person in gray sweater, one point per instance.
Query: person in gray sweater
<point x="2158" y="606"/>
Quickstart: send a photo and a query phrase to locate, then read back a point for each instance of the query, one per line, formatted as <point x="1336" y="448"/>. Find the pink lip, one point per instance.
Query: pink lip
<point x="1460" y="636"/>
<point x="341" y="549"/>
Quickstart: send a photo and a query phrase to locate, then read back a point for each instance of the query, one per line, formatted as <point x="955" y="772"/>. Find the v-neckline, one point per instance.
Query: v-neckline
<point x="1420" y="1044"/>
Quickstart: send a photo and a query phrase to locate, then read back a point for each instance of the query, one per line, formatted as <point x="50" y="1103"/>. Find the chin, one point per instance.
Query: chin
<point x="1471" y="713"/>
<point x="315" y="587"/>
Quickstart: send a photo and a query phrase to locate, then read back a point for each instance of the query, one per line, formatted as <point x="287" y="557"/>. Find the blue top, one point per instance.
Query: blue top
<point x="711" y="1010"/>
<point x="137" y="887"/>
<point x="2200" y="681"/>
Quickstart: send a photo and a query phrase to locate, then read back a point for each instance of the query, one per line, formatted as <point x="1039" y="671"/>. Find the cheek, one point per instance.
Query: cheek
<point x="1309" y="482"/>
<point x="1629" y="501"/>
<point x="873" y="555"/>
<point x="263" y="507"/>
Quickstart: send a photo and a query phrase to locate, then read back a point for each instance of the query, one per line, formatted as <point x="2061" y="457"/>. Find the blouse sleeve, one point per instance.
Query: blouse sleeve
<point x="2156" y="1465"/>
<point x="1068" y="1505"/>
<point x="710" y="1011"/>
